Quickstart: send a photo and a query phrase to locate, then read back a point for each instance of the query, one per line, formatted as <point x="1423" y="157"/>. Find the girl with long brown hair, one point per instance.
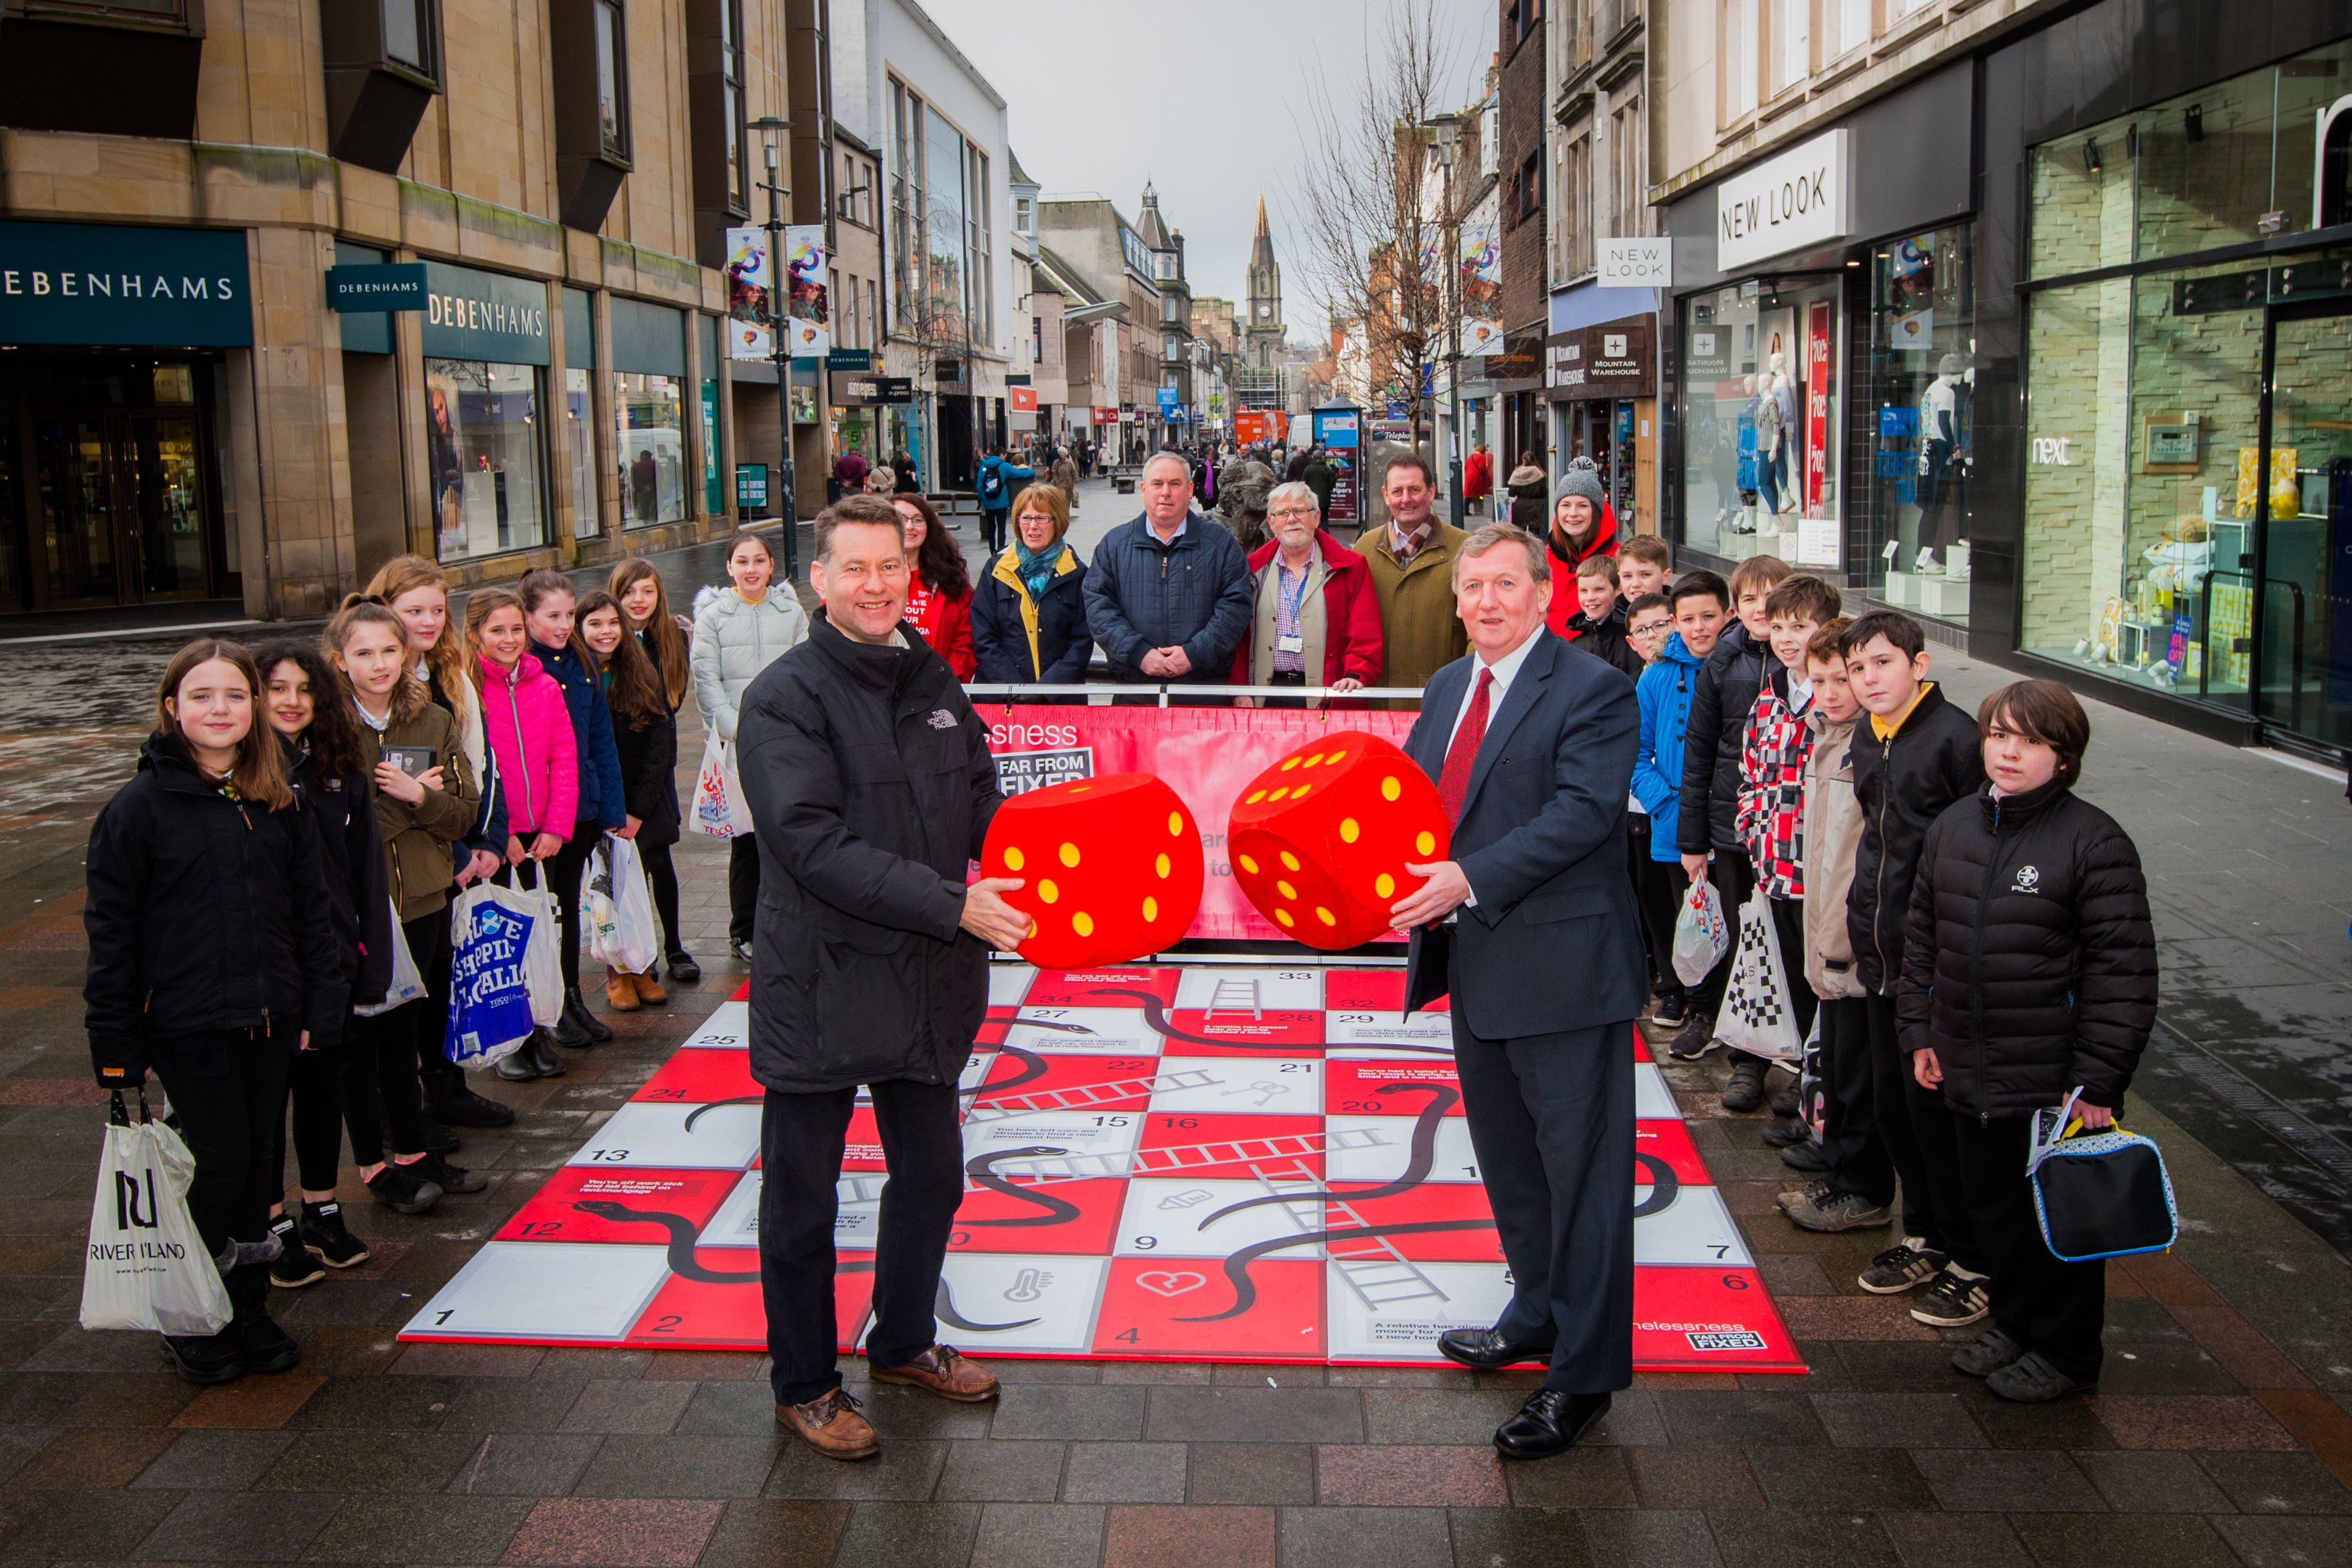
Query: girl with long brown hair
<point x="939" y="586"/>
<point x="212" y="961"/>
<point x="660" y="634"/>
<point x="645" y="734"/>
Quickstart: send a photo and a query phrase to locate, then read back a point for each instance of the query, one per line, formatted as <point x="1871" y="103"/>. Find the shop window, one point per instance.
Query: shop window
<point x="650" y="417"/>
<point x="579" y="453"/>
<point x="1738" y="55"/>
<point x="589" y="43"/>
<point x="1792" y="43"/>
<point x="121" y="67"/>
<point x="1920" y="432"/>
<point x="482" y="446"/>
<point x="714" y="495"/>
<point x="1717" y="333"/>
<point x="722" y="191"/>
<point x="381" y="60"/>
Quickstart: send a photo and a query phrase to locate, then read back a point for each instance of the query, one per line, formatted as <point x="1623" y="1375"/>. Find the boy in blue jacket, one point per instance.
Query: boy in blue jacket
<point x="1701" y="603"/>
<point x="999" y="479"/>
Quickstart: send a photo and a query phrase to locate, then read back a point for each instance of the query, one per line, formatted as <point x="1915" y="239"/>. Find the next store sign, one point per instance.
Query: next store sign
<point x="117" y="284"/>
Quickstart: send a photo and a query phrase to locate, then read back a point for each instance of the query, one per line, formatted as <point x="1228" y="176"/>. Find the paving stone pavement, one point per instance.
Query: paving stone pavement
<point x="2221" y="1434"/>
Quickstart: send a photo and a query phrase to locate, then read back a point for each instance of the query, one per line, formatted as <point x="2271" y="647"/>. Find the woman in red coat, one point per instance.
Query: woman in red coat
<point x="1582" y="525"/>
<point x="1478" y="474"/>
<point x="939" y="586"/>
<point x="1316" y="614"/>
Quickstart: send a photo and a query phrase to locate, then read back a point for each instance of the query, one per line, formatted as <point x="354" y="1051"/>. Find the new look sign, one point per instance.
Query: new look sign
<point x="1784" y="204"/>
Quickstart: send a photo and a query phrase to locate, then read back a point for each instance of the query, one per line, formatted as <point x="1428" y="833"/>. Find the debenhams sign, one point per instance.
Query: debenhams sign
<point x="105" y="283"/>
<point x="1784" y="204"/>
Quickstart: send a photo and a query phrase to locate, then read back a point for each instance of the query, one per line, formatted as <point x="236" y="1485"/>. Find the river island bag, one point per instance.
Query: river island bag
<point x="147" y="1267"/>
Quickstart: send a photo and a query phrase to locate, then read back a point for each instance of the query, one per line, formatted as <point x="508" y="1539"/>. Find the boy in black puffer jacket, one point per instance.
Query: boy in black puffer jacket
<point x="2028" y="971"/>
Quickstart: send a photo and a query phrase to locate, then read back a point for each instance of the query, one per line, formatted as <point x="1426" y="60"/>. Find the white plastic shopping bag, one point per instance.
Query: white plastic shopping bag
<point x="1701" y="939"/>
<point x="147" y="1267"/>
<point x="1758" y="1015"/>
<point x="616" y="909"/>
<point x="406" y="986"/>
<point x="543" y="963"/>
<point x="718" y="809"/>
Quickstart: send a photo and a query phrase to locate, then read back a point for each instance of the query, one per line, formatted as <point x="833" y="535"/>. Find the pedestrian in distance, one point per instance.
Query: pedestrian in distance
<point x="903" y="468"/>
<point x="1529" y="491"/>
<point x="938" y="587"/>
<point x="871" y="789"/>
<point x="1316" y="475"/>
<point x="848" y="472"/>
<point x="303" y="701"/>
<point x="2029" y="973"/>
<point x="1065" y="479"/>
<point x="212" y="961"/>
<point x="1317" y="619"/>
<point x="1914" y="758"/>
<point x="424" y="799"/>
<point x="550" y="611"/>
<point x="530" y="732"/>
<point x="1168" y="600"/>
<point x="416" y="592"/>
<point x="1699" y="605"/>
<point x="645" y="741"/>
<point x="1029" y="611"/>
<point x="661" y="633"/>
<point x="997" y="478"/>
<point x="1478" y="477"/>
<point x="739" y="631"/>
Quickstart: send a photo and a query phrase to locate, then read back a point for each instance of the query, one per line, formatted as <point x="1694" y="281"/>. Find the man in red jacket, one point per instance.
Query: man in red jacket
<point x="1316" y="614"/>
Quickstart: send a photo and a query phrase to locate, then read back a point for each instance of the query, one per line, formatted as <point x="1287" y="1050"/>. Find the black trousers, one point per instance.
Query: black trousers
<point x="742" y="885"/>
<point x="801" y="1139"/>
<point x="1850" y="1139"/>
<point x="314" y="1091"/>
<point x="2044" y="1303"/>
<point x="387" y="1056"/>
<point x="1918" y="1129"/>
<point x="661" y="871"/>
<point x="1551" y="1119"/>
<point x="564" y="870"/>
<point x="1789" y="930"/>
<point x="992" y="526"/>
<point x="1653" y="895"/>
<point x="229" y="1094"/>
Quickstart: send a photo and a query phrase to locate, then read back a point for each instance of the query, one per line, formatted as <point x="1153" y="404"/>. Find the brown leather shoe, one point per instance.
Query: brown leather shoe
<point x="649" y="990"/>
<point x="945" y="1372"/>
<point x="831" y="1426"/>
<point x="620" y="992"/>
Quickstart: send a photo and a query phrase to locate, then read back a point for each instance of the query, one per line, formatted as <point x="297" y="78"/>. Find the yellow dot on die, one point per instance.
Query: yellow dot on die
<point x="1288" y="764"/>
<point x="1284" y="916"/>
<point x="1391" y="788"/>
<point x="1069" y="854"/>
<point x="1300" y="793"/>
<point x="1083" y="924"/>
<point x="1151" y="910"/>
<point x="1247" y="865"/>
<point x="1277" y="794"/>
<point x="1326" y="916"/>
<point x="1047" y="892"/>
<point x="1425" y="843"/>
<point x="1014" y="859"/>
<point x="1163" y="866"/>
<point x="1285" y="890"/>
<point x="1349" y="830"/>
<point x="1032" y="927"/>
<point x="1384" y="884"/>
<point x="1256" y="795"/>
<point x="1176" y="823"/>
<point x="1080" y="789"/>
<point x="1314" y="758"/>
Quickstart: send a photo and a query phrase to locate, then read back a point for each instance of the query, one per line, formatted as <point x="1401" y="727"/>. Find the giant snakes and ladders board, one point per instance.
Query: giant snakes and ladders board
<point x="1234" y="1162"/>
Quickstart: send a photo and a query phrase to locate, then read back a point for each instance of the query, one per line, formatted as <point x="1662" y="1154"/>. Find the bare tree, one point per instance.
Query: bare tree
<point x="1374" y="252"/>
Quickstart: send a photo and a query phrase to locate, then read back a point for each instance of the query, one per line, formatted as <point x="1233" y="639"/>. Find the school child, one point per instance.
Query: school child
<point x="424" y="801"/>
<point x="1599" y="625"/>
<point x="636" y="583"/>
<point x="1645" y="565"/>
<point x="645" y="734"/>
<point x="212" y="961"/>
<point x="1913" y="759"/>
<point x="530" y="730"/>
<point x="1700" y="603"/>
<point x="1648" y="626"/>
<point x="303" y="701"/>
<point x="2029" y="972"/>
<point x="548" y="611"/>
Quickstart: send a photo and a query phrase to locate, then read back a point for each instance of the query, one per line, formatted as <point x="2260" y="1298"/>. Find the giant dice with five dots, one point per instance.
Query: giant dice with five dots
<point x="1111" y="868"/>
<point x="1320" y="840"/>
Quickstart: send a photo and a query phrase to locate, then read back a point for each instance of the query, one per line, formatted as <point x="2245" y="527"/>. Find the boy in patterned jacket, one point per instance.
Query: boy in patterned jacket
<point x="1776" y="747"/>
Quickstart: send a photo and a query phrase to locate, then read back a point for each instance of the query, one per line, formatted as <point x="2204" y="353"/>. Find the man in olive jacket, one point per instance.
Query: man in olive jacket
<point x="871" y="789"/>
<point x="1412" y="561"/>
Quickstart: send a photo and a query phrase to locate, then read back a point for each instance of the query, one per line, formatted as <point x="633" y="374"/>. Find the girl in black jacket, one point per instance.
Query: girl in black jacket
<point x="2028" y="971"/>
<point x="212" y="961"/>
<point x="304" y="704"/>
<point x="644" y="733"/>
<point x="637" y="585"/>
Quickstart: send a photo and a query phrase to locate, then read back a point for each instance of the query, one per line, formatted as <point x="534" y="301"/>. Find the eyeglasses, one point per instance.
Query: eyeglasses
<point x="1292" y="511"/>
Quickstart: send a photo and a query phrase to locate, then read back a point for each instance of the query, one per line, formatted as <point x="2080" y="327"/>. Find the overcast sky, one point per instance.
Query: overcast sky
<point x="1226" y="125"/>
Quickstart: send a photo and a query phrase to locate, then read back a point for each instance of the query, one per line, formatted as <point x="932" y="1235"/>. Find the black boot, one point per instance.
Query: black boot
<point x="295" y="1266"/>
<point x="575" y="1009"/>
<point x="567" y="1028"/>
<point x="540" y="1049"/>
<point x="205" y="1359"/>
<point x="520" y="1064"/>
<point x="267" y="1347"/>
<point x="683" y="969"/>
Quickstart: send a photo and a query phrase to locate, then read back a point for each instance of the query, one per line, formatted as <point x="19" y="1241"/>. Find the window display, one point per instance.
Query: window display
<point x="1922" y="443"/>
<point x="1763" y="417"/>
<point x="579" y="452"/>
<point x="651" y="419"/>
<point x="482" y="443"/>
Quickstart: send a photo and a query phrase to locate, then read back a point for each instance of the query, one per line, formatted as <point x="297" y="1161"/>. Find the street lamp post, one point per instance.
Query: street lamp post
<point x="780" y="343"/>
<point x="1448" y="140"/>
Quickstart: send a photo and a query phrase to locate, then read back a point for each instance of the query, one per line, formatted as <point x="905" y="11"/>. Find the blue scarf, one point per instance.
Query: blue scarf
<point x="1036" y="566"/>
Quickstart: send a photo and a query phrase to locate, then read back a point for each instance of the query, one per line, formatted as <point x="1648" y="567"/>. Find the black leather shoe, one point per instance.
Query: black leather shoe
<point x="540" y="1051"/>
<point x="1486" y="1349"/>
<point x="683" y="969"/>
<point x="1548" y="1423"/>
<point x="567" y="1029"/>
<point x="740" y="946"/>
<point x="463" y="1108"/>
<point x="518" y="1064"/>
<point x="575" y="1008"/>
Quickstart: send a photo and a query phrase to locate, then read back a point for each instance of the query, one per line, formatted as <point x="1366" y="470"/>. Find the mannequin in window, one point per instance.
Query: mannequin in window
<point x="1944" y="457"/>
<point x="1784" y="403"/>
<point x="1772" y="438"/>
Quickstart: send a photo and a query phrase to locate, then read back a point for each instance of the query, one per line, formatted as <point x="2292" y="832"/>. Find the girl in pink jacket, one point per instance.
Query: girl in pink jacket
<point x="527" y="725"/>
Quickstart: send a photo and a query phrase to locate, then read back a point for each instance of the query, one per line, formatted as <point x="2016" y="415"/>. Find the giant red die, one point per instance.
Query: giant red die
<point x="1320" y="840"/>
<point x="1111" y="868"/>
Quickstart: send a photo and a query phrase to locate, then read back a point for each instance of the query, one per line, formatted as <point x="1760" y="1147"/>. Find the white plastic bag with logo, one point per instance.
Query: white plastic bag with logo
<point x="1701" y="939"/>
<point x="616" y="909"/>
<point x="718" y="809"/>
<point x="406" y="986"/>
<point x="1758" y="1015"/>
<point x="147" y="1267"/>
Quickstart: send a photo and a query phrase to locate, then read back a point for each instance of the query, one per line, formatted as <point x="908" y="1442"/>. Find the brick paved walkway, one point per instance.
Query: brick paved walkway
<point x="2221" y="1433"/>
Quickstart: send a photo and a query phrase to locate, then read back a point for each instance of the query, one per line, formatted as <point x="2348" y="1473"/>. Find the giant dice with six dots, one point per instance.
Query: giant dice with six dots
<point x="1111" y="868"/>
<point x="1320" y="840"/>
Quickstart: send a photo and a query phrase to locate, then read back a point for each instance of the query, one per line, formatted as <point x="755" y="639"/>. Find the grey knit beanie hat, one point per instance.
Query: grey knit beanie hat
<point x="1583" y="482"/>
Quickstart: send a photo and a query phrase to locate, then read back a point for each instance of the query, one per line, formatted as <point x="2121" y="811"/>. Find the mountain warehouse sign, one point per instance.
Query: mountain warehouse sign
<point x="1784" y="204"/>
<point x="117" y="284"/>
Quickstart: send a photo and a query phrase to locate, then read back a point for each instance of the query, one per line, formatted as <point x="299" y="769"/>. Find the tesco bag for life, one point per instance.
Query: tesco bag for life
<point x="501" y="940"/>
<point x="1701" y="939"/>
<point x="406" y="986"/>
<point x="718" y="809"/>
<point x="616" y="909"/>
<point x="1758" y="1015"/>
<point x="147" y="1267"/>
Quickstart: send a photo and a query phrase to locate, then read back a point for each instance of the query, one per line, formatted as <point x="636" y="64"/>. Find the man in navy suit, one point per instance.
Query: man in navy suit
<point x="1533" y="930"/>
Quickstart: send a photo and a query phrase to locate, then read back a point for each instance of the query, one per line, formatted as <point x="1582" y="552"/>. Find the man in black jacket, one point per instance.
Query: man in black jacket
<point x="871" y="787"/>
<point x="1167" y="601"/>
<point x="1913" y="755"/>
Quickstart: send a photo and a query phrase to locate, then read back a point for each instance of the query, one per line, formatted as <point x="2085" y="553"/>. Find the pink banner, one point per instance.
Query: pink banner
<point x="1205" y="754"/>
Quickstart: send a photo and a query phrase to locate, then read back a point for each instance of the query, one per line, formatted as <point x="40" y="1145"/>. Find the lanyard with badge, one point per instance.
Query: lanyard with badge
<point x="1292" y="642"/>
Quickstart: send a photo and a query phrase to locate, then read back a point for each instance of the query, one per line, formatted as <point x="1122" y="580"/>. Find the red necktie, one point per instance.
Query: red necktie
<point x="1454" y="782"/>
